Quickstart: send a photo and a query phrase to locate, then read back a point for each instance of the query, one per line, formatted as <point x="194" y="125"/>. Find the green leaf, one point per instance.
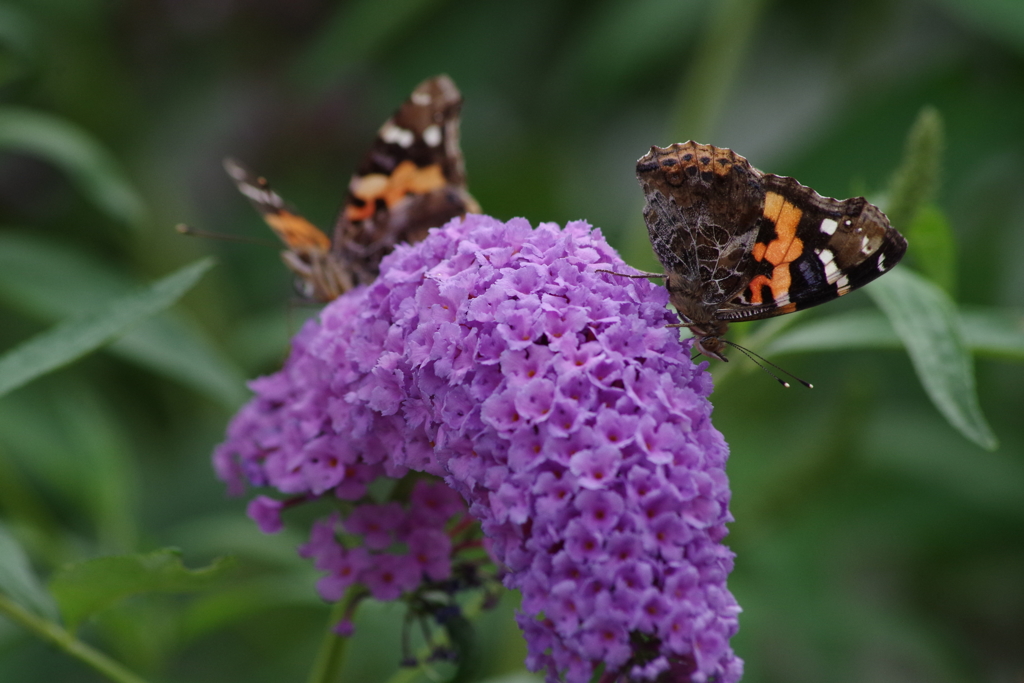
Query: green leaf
<point x="925" y="319"/>
<point x="84" y="588"/>
<point x="860" y="329"/>
<point x="73" y="339"/>
<point x="49" y="282"/>
<point x="71" y="149"/>
<point x="916" y="181"/>
<point x="19" y="582"/>
<point x="934" y="246"/>
<point x="178" y="349"/>
<point x="994" y="331"/>
<point x="989" y="331"/>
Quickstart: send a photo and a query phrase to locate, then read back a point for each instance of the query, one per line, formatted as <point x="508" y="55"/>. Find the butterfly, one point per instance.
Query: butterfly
<point x="412" y="179"/>
<point x="738" y="244"/>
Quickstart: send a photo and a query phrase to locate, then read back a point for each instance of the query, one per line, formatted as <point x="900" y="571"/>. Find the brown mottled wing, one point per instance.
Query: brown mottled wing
<point x="412" y="179"/>
<point x="703" y="209"/>
<point x="812" y="249"/>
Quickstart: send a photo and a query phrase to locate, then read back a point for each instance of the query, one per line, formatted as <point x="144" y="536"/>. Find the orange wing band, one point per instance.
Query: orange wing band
<point x="407" y="178"/>
<point x="780" y="252"/>
<point x="297" y="232"/>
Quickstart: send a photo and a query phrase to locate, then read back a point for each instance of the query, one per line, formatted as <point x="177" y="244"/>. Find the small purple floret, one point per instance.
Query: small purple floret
<point x="553" y="399"/>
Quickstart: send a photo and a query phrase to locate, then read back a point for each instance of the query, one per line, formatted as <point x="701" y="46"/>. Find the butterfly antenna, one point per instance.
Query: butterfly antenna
<point x="754" y="357"/>
<point x="637" y="276"/>
<point x="183" y="229"/>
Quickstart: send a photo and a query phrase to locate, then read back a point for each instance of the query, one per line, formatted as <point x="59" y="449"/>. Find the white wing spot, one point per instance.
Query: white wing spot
<point x="865" y="247"/>
<point x="828" y="226"/>
<point x="432" y="135"/>
<point x="421" y="99"/>
<point x="259" y="195"/>
<point x="828" y="261"/>
<point x="881" y="262"/>
<point x="394" y="135"/>
<point x="843" y="283"/>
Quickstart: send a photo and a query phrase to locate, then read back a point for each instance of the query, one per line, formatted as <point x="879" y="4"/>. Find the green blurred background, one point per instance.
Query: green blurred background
<point x="874" y="542"/>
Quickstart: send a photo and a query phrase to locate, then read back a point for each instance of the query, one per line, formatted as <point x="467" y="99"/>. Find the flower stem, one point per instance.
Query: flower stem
<point x="62" y="639"/>
<point x="331" y="656"/>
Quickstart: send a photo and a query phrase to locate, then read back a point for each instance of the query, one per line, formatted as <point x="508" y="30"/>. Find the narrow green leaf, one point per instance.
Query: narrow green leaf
<point x="860" y="329"/>
<point x="73" y="150"/>
<point x="176" y="348"/>
<point x="50" y="282"/>
<point x="916" y="181"/>
<point x="926" y="320"/>
<point x="84" y="588"/>
<point x="995" y="332"/>
<point x="73" y="339"/>
<point x="934" y="246"/>
<point x="19" y="582"/>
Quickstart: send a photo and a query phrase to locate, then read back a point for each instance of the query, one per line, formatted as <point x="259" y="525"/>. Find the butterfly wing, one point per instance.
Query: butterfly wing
<point x="412" y="179"/>
<point x="812" y="249"/>
<point x="319" y="275"/>
<point x="703" y="209"/>
<point x="294" y="230"/>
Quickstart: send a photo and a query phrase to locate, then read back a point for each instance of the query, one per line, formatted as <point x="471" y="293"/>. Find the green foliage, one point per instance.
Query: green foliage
<point x="920" y="314"/>
<point x="917" y="179"/>
<point x="876" y="539"/>
<point x="84" y="588"/>
<point x="989" y="331"/>
<point x="934" y="246"/>
<point x="78" y="154"/>
<point x="51" y="282"/>
<point x="73" y="339"/>
<point x="926" y="321"/>
<point x="19" y="582"/>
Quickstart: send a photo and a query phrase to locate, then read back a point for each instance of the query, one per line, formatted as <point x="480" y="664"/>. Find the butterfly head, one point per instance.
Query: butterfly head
<point x="712" y="347"/>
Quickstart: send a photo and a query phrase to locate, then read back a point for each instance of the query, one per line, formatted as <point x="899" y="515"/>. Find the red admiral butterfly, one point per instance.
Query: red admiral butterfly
<point x="738" y="244"/>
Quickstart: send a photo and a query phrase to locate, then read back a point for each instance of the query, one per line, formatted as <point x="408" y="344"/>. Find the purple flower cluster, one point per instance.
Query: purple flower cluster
<point x="549" y="395"/>
<point x="418" y="528"/>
